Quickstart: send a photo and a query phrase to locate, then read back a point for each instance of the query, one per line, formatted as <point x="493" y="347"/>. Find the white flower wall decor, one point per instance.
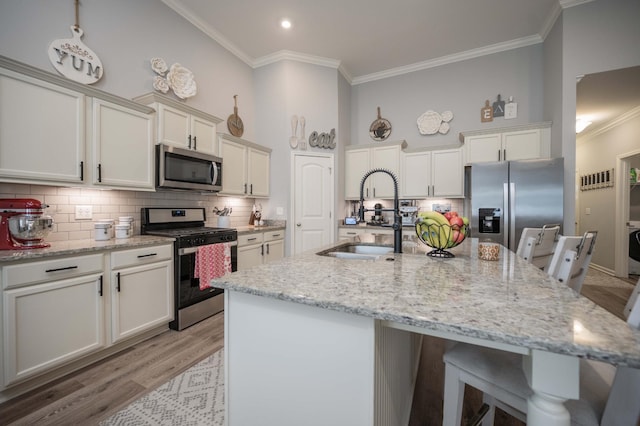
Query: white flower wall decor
<point x="178" y="78"/>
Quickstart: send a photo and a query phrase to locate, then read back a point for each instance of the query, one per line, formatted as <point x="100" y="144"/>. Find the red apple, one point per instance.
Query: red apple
<point x="447" y="215"/>
<point x="454" y="213"/>
<point x="456" y="221"/>
<point x="457" y="236"/>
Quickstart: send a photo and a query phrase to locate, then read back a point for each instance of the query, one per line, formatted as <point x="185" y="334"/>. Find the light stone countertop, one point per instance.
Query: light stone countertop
<point x="80" y="247"/>
<point x="506" y="301"/>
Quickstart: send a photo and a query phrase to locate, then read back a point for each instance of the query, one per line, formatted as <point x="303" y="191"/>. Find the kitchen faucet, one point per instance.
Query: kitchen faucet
<point x="397" y="220"/>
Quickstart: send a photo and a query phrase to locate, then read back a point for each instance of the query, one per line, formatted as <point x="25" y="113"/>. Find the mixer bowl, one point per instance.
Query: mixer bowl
<point x="30" y="229"/>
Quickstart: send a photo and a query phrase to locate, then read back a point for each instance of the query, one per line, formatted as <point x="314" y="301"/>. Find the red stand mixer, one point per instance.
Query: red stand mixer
<point x="23" y="224"/>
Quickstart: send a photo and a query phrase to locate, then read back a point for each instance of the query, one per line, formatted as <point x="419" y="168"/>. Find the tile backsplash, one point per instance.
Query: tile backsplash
<point x="110" y="204"/>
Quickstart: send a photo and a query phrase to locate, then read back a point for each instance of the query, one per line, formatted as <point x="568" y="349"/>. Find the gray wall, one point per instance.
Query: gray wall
<point x="593" y="154"/>
<point x="125" y="35"/>
<point x="460" y="87"/>
<point x="596" y="36"/>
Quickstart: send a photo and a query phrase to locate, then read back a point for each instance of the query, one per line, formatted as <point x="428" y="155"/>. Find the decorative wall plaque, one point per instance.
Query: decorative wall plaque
<point x="74" y="60"/>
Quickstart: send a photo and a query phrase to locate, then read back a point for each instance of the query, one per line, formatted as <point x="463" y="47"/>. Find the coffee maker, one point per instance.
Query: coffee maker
<point x="408" y="212"/>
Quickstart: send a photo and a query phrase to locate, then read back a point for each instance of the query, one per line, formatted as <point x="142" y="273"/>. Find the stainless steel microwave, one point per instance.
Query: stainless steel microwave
<point x="185" y="169"/>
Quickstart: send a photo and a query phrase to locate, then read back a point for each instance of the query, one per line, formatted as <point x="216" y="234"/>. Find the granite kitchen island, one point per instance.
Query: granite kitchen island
<point x="317" y="340"/>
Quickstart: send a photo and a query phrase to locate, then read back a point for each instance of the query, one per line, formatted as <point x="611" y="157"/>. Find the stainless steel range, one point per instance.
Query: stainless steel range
<point x="186" y="225"/>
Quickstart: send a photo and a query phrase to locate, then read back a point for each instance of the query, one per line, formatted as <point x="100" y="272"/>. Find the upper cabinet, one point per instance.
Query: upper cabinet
<point x="359" y="159"/>
<point x="437" y="173"/>
<point x="54" y="131"/>
<point x="514" y="143"/>
<point x="245" y="167"/>
<point x="182" y="126"/>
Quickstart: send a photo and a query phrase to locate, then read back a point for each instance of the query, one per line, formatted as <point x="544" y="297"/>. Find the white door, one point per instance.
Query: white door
<point x="313" y="217"/>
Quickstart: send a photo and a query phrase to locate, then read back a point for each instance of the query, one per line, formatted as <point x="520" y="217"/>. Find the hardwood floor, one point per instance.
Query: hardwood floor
<point x="98" y="391"/>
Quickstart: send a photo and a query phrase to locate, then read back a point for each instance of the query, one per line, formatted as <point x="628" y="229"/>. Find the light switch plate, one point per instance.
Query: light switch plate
<point x="84" y="212"/>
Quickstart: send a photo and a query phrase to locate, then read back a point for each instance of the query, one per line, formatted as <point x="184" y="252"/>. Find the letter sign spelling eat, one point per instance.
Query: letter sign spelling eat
<point x="74" y="60"/>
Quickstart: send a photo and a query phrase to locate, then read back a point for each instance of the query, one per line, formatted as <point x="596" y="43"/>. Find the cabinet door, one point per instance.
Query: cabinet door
<point x="249" y="256"/>
<point x="448" y="173"/>
<point x="484" y="148"/>
<point x="50" y="324"/>
<point x="142" y="298"/>
<point x="173" y="126"/>
<point x="234" y="168"/>
<point x="415" y="179"/>
<point x="258" y="172"/>
<point x="521" y="145"/>
<point x="122" y="147"/>
<point x="347" y="233"/>
<point x="204" y="136"/>
<point x="42" y="130"/>
<point x="356" y="164"/>
<point x="388" y="158"/>
<point x="273" y="250"/>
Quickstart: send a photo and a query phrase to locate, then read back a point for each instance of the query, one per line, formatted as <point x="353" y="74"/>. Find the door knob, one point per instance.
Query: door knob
<point x="298" y="224"/>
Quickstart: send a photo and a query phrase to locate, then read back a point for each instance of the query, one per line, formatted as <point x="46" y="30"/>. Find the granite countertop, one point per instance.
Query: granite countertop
<point x="507" y="301"/>
<point x="80" y="247"/>
<point x="250" y="229"/>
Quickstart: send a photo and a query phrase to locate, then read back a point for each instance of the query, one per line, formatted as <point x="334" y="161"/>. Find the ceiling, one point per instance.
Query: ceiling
<point x="373" y="39"/>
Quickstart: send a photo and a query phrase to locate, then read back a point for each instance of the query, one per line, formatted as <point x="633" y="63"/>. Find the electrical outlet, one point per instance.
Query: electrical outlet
<point x="84" y="212"/>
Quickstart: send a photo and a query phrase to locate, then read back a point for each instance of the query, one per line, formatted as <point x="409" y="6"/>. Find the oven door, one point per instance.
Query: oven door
<point x="188" y="291"/>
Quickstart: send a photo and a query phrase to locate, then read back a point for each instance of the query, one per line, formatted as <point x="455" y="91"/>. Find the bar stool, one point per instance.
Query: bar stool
<point x="537" y="245"/>
<point x="499" y="375"/>
<point x="571" y="260"/>
<point x="608" y="394"/>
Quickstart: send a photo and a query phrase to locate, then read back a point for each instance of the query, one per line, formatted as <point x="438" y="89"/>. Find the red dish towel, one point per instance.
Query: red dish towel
<point x="212" y="261"/>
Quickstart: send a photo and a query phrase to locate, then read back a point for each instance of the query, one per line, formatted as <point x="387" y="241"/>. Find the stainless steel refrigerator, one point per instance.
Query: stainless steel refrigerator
<point x="505" y="197"/>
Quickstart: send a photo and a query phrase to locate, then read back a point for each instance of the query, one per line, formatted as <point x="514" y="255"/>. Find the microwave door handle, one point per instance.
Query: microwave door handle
<point x="214" y="172"/>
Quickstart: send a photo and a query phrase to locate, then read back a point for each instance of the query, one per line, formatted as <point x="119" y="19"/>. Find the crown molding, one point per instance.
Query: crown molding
<point x="444" y="60"/>
<point x="611" y="124"/>
<point x="295" y="56"/>
<point x="550" y="21"/>
<point x="565" y="4"/>
<point x="177" y="7"/>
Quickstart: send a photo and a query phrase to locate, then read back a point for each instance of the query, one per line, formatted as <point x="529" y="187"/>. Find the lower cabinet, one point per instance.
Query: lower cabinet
<point x="259" y="247"/>
<point x="141" y="289"/>
<point x="58" y="311"/>
<point x="346" y="233"/>
<point x="53" y="313"/>
<point x="50" y="324"/>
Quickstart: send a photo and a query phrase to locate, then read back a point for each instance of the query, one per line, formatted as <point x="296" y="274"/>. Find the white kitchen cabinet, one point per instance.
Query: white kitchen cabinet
<point x="42" y="130"/>
<point x="250" y="250"/>
<point x="53" y="313"/>
<point x="273" y="245"/>
<point x="54" y="131"/>
<point x="245" y="167"/>
<point x="345" y="233"/>
<point x="438" y="173"/>
<point x="361" y="159"/>
<point x="122" y="147"/>
<point x="181" y="126"/>
<point x="513" y="143"/>
<point x="257" y="248"/>
<point x="142" y="290"/>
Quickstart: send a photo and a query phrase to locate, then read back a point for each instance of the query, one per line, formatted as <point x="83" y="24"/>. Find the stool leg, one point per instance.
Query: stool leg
<point x="453" y="397"/>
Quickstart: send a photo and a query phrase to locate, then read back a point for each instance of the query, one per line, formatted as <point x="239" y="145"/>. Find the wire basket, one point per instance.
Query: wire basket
<point x="440" y="236"/>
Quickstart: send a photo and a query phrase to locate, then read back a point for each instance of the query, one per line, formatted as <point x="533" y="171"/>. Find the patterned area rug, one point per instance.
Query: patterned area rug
<point x="194" y="398"/>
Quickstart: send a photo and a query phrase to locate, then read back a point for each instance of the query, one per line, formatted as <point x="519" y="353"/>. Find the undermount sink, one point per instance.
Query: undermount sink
<point x="357" y="251"/>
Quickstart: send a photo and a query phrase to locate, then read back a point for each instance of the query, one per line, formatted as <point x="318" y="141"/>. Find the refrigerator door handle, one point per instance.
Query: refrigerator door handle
<point x="506" y="217"/>
<point x="512" y="216"/>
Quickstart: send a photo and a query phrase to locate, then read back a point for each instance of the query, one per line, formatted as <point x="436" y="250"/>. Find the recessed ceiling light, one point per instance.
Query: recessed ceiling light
<point x="581" y="124"/>
<point x="285" y="23"/>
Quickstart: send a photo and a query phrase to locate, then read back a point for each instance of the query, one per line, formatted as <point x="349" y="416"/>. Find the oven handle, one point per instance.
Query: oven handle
<point x="190" y="250"/>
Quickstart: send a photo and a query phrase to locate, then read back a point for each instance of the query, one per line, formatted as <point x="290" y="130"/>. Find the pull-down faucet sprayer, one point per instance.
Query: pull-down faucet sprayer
<point x="397" y="219"/>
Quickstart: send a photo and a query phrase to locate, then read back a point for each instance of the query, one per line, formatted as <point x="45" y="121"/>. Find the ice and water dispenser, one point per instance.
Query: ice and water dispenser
<point x="489" y="220"/>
